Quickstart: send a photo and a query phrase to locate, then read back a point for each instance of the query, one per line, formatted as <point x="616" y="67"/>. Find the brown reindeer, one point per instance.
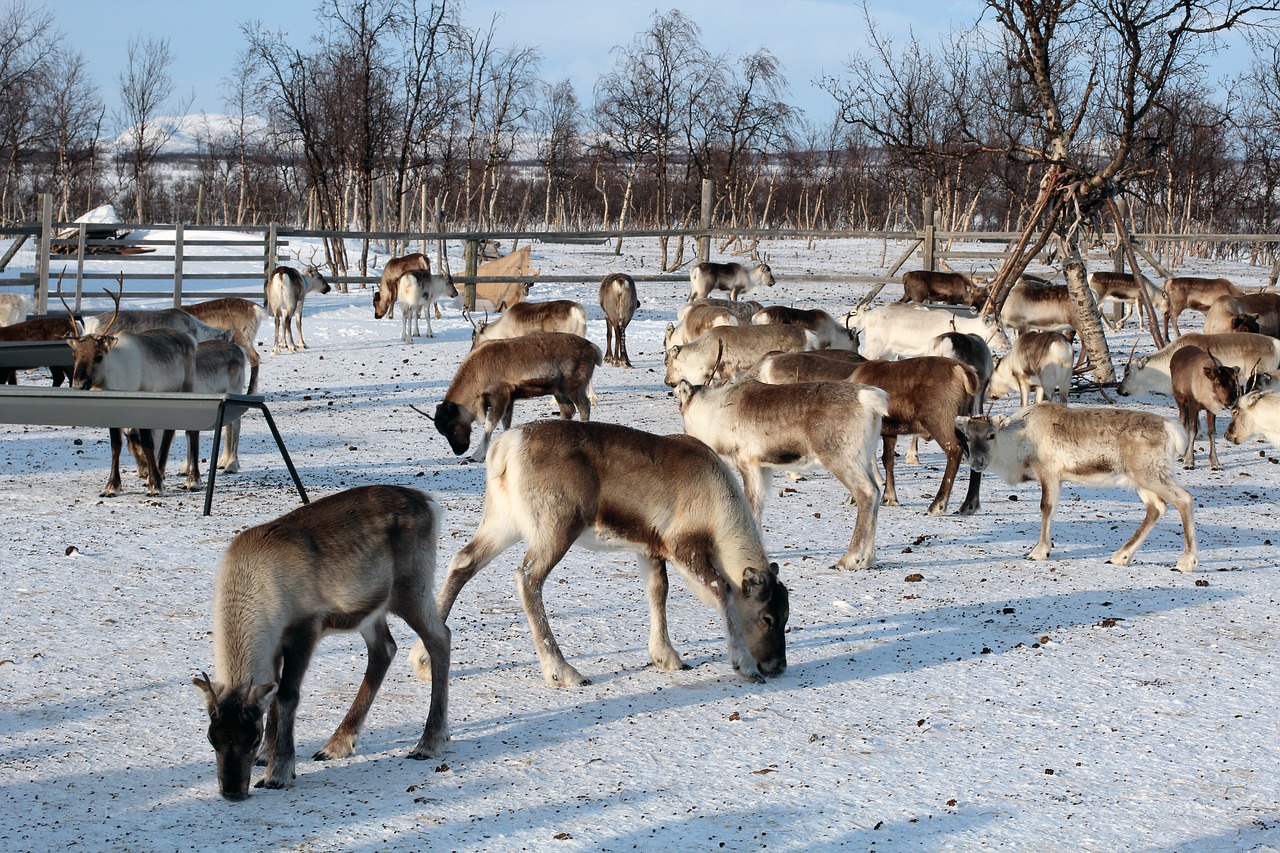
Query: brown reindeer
<point x="1193" y="292"/>
<point x="384" y="301"/>
<point x="1201" y="382"/>
<point x="38" y="329"/>
<point x="666" y="498"/>
<point x="925" y="396"/>
<point x="949" y="288"/>
<point x="820" y="365"/>
<point x="341" y="563"/>
<point x="619" y="302"/>
<point x="242" y="318"/>
<point x="492" y="377"/>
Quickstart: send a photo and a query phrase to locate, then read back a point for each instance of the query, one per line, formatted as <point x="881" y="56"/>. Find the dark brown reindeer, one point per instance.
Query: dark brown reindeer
<point x="38" y="329"/>
<point x="1201" y="383"/>
<point x="493" y="376"/>
<point x="925" y="396"/>
<point x="665" y="498"/>
<point x="341" y="563"/>
<point x="619" y="302"/>
<point x="948" y="288"/>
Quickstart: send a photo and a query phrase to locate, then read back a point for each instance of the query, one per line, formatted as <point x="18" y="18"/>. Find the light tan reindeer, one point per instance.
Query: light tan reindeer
<point x="341" y="563"/>
<point x="619" y="302"/>
<point x="384" y="300"/>
<point x="666" y="498"/>
<point x="284" y="293"/>
<point x="239" y="316"/>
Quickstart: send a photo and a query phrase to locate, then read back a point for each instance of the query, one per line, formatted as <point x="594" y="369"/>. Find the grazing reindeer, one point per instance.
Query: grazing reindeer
<point x="492" y="377"/>
<point x="1097" y="447"/>
<point x="38" y="329"/>
<point x="219" y="370"/>
<point x="709" y="276"/>
<point x="1252" y="312"/>
<point x="242" y="317"/>
<point x="725" y="351"/>
<point x="417" y="291"/>
<point x="281" y="586"/>
<point x="1200" y="381"/>
<point x="619" y="302"/>
<point x="150" y="360"/>
<point x="666" y="498"/>
<point x="1038" y="359"/>
<point x="757" y="427"/>
<point x="925" y="395"/>
<point x="384" y="301"/>
<point x="286" y="289"/>
<point x="742" y="310"/>
<point x="1255" y="413"/>
<point x="527" y="318"/>
<point x="820" y="365"/>
<point x="830" y="333"/>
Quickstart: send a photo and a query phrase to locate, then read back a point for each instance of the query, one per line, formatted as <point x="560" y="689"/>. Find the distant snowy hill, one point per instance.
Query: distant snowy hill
<point x="189" y="134"/>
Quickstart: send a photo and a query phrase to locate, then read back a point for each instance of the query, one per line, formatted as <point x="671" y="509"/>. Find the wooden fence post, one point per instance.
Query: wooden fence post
<point x="269" y="251"/>
<point x="704" y="242"/>
<point x="177" y="265"/>
<point x="80" y="247"/>
<point x="930" y="235"/>
<point x="42" y="253"/>
<point x="469" y="258"/>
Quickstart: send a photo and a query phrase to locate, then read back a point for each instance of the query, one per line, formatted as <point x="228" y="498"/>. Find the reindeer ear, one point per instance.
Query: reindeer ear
<point x="962" y="422"/>
<point x="756" y="583"/>
<point x="260" y="695"/>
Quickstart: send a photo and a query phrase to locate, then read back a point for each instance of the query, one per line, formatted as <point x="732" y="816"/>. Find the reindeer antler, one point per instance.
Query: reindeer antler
<point x="75" y="330"/>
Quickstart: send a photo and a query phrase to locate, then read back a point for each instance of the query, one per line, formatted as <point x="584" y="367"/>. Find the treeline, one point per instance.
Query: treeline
<point x="399" y="103"/>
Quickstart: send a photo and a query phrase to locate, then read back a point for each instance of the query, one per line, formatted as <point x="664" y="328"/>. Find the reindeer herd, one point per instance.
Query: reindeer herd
<point x="758" y="388"/>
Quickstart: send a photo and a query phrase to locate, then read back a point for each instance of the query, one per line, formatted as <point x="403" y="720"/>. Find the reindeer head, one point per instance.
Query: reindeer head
<point x="762" y="610"/>
<point x="89" y="352"/>
<point x="454" y="423"/>
<point x="235" y="730"/>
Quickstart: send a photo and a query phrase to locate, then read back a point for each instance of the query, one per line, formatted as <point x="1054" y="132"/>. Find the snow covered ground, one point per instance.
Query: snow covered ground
<point x="994" y="703"/>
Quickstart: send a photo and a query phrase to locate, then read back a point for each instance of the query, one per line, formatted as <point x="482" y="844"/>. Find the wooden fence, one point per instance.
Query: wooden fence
<point x="75" y="244"/>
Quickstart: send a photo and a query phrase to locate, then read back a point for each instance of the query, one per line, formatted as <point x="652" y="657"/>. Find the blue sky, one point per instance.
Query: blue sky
<point x="810" y="37"/>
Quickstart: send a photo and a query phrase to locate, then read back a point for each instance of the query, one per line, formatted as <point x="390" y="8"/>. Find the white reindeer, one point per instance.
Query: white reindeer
<point x="285" y="291"/>
<point x="342" y="563"/>
<point x="416" y="292"/>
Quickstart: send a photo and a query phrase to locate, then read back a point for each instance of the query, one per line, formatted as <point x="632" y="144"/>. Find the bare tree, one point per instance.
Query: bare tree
<point x="556" y="130"/>
<point x="73" y="111"/>
<point x="145" y="85"/>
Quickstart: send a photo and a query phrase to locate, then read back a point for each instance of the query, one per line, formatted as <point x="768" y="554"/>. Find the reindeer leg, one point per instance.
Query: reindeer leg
<point x="302" y="342"/>
<point x="382" y="650"/>
<point x="530" y="578"/>
<point x="1156" y="506"/>
<point x="230" y="458"/>
<point x="886" y="457"/>
<point x="755" y="479"/>
<point x="623" y="358"/>
<point x="913" y="451"/>
<point x="411" y="601"/>
<point x="939" y="505"/>
<point x="1185" y="414"/>
<point x="298" y="643"/>
<point x="1050" y="488"/>
<point x="193" y="461"/>
<point x="155" y="477"/>
<point x="661" y="652"/>
<point x="112" y="488"/>
<point x="860" y="480"/>
<point x="1211" y="427"/>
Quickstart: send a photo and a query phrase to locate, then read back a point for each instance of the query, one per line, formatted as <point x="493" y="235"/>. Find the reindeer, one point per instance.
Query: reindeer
<point x="1255" y="413"/>
<point x="150" y="360"/>
<point x="820" y="365"/>
<point x="709" y="276"/>
<point x="619" y="302"/>
<point x="417" y="292"/>
<point x="1252" y="312"/>
<point x="695" y="321"/>
<point x="1193" y="292"/>
<point x="285" y="291"/>
<point x="242" y="318"/>
<point x="284" y="584"/>
<point x="666" y="498"/>
<point x="219" y="370"/>
<point x="757" y="427"/>
<point x="950" y="288"/>
<point x="1247" y="352"/>
<point x="384" y="301"/>
<point x="1038" y="359"/>
<point x="830" y="334"/>
<point x="725" y="351"/>
<point x="742" y="310"/>
<point x="492" y="377"/>
<point x="1123" y="288"/>
<point x="38" y="329"/>
<point x="1200" y="381"/>
<point x="1097" y="447"/>
<point x="14" y="308"/>
<point x="527" y="318"/>
<point x="967" y="349"/>
<point x="926" y="393"/>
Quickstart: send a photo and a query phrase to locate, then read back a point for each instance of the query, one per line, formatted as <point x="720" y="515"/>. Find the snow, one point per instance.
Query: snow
<point x="995" y="703"/>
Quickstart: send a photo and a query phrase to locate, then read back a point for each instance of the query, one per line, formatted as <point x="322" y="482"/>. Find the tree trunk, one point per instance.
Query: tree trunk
<point x="1092" y="338"/>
